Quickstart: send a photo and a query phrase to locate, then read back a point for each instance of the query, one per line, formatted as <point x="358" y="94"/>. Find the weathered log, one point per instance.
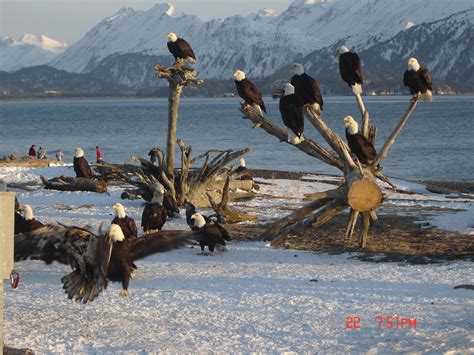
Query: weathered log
<point x="331" y="138"/>
<point x="274" y="230"/>
<point x="67" y="183"/>
<point x="317" y="219"/>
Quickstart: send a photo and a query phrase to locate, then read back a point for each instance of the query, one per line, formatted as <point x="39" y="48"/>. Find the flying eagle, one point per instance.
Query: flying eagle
<point x="128" y="225"/>
<point x="249" y="92"/>
<point x="180" y="49"/>
<point x="418" y="79"/>
<point x="81" y="166"/>
<point x="96" y="259"/>
<point x="26" y="222"/>
<point x="306" y="87"/>
<point x="359" y="145"/>
<point x="350" y="69"/>
<point x="211" y="233"/>
<point x="155" y="213"/>
<point x="292" y="112"/>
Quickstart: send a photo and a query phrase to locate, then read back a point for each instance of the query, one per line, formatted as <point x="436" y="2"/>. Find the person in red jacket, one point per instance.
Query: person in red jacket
<point x="32" y="151"/>
<point x="98" y="153"/>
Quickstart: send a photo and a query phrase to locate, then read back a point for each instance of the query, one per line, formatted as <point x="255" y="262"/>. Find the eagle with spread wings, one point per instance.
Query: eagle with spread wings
<point x="95" y="259"/>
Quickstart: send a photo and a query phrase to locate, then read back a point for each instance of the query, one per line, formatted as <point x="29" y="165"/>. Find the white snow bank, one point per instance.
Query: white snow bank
<point x="250" y="299"/>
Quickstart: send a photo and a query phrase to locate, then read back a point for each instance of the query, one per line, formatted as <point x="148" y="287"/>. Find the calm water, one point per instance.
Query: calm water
<point x="437" y="142"/>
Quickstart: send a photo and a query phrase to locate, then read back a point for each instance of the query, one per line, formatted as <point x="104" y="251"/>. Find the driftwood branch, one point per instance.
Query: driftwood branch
<point x="351" y="223"/>
<point x="364" y="229"/>
<point x="331" y="138"/>
<point x="364" y="114"/>
<point x="308" y="146"/>
<point x="317" y="219"/>
<point x="307" y="209"/>
<point x="391" y="140"/>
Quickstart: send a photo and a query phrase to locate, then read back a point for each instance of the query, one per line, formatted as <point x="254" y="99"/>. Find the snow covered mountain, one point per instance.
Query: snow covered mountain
<point x="444" y="46"/>
<point x="29" y="50"/>
<point x="259" y="43"/>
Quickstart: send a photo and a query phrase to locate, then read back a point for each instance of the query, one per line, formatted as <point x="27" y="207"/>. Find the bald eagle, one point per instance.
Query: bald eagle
<point x="350" y="69"/>
<point x="359" y="145"/>
<point x="211" y="233"/>
<point x="249" y="92"/>
<point x="128" y="225"/>
<point x="81" y="166"/>
<point x="306" y="87"/>
<point x="154" y="214"/>
<point x="180" y="49"/>
<point x="97" y="259"/>
<point x="26" y="222"/>
<point x="418" y="79"/>
<point x="292" y="112"/>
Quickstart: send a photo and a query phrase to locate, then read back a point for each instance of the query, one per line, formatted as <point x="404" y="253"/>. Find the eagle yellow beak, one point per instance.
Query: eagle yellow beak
<point x="194" y="216"/>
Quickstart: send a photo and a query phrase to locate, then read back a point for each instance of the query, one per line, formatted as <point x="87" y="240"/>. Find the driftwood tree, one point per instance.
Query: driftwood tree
<point x="186" y="183"/>
<point x="359" y="190"/>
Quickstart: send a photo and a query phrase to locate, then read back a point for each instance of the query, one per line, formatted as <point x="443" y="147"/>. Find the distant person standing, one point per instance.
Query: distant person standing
<point x="59" y="155"/>
<point x="32" y="151"/>
<point x="81" y="166"/>
<point x="98" y="153"/>
<point x="41" y="153"/>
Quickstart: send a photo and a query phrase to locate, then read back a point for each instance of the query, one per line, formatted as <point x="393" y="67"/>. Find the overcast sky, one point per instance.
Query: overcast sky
<point x="69" y="20"/>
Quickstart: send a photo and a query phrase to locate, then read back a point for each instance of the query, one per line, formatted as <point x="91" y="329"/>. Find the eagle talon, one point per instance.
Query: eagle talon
<point x="124" y="293"/>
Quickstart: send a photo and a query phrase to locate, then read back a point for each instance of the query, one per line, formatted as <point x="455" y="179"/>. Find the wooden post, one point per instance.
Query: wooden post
<point x="173" y="104"/>
<point x="7" y="208"/>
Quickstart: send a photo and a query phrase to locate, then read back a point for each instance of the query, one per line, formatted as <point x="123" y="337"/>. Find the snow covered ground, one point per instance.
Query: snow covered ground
<point x="250" y="299"/>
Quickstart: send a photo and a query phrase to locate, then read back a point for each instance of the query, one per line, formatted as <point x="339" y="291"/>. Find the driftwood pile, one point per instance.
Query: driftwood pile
<point x="359" y="190"/>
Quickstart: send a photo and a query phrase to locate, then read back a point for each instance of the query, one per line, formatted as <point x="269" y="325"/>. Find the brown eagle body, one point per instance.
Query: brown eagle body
<point x="350" y="68"/>
<point x="418" y="81"/>
<point x="181" y="50"/>
<point x="249" y="93"/>
<point x="307" y="88"/>
<point x="153" y="217"/>
<point x="361" y="147"/>
<point x="128" y="225"/>
<point x="82" y="168"/>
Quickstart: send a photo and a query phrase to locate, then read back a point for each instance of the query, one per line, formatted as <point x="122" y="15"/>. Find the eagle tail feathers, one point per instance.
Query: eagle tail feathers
<point x="357" y="89"/>
<point x="427" y="96"/>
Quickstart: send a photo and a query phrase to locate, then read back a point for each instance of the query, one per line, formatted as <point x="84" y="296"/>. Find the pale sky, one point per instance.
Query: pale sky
<point x="69" y="20"/>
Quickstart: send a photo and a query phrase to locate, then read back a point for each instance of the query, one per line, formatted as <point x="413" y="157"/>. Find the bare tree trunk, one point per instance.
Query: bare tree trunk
<point x="173" y="103"/>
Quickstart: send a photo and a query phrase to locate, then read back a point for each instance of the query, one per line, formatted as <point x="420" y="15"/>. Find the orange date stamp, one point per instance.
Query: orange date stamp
<point x="386" y="322"/>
